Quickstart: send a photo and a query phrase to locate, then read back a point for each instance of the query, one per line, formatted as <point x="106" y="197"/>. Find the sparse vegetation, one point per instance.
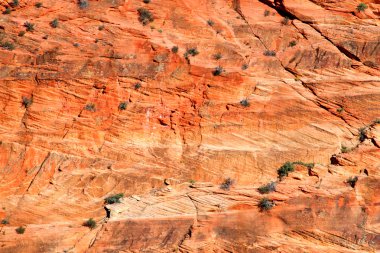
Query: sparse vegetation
<point x="38" y="5"/>
<point x="270" y="53"/>
<point x="218" y="71"/>
<point x="159" y="30"/>
<point x="244" y="66"/>
<point x="270" y="187"/>
<point x="5" y="221"/>
<point x="362" y="134"/>
<point x="21" y="33"/>
<point x="210" y="22"/>
<point x="90" y="223"/>
<point x="226" y="185"/>
<point x="90" y="107"/>
<point x="54" y="23"/>
<point x="20" y="230"/>
<point x="123" y="106"/>
<point x="76" y="44"/>
<point x="376" y="121"/>
<point x="7" y="11"/>
<point x="245" y="102"/>
<point x="285" y="21"/>
<point x="137" y="86"/>
<point x="308" y="165"/>
<point x="345" y="149"/>
<point x="340" y="109"/>
<point x="29" y="26"/>
<point x="27" y="102"/>
<point x="265" y="204"/>
<point x="192" y="181"/>
<point x="7" y="45"/>
<point x="146" y="1"/>
<point x="352" y="181"/>
<point x="284" y="170"/>
<point x="114" y="198"/>
<point x="101" y="27"/>
<point x="83" y="4"/>
<point x="175" y="49"/>
<point x="145" y="16"/>
<point x="266" y="13"/>
<point x="217" y="56"/>
<point x="361" y="7"/>
<point x="191" y="51"/>
<point x="293" y="43"/>
<point x="15" y="3"/>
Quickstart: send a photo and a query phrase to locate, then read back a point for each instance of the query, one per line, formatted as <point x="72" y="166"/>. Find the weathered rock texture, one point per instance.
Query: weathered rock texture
<point x="311" y="80"/>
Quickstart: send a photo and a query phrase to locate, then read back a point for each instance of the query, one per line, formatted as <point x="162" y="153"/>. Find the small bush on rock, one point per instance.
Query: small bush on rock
<point x="361" y="7"/>
<point x="270" y="187"/>
<point x="114" y="198"/>
<point x="226" y="185"/>
<point x="20" y="230"/>
<point x="284" y="170"/>
<point x="145" y="16"/>
<point x="90" y="223"/>
<point x="265" y="204"/>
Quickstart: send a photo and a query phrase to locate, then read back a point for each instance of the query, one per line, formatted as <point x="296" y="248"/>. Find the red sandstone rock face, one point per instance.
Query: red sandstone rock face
<point x="73" y="146"/>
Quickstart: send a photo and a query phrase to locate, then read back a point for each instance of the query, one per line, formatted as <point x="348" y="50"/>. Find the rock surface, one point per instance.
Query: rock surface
<point x="102" y="104"/>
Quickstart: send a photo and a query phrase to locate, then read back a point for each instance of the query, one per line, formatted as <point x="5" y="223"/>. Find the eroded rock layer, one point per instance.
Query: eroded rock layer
<point x="164" y="103"/>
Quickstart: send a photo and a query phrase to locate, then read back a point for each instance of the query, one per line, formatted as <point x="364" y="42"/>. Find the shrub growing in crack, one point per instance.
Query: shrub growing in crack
<point x="29" y="26"/>
<point x="245" y="102"/>
<point x="123" y="106"/>
<point x="270" y="53"/>
<point x="145" y="16"/>
<point x="352" y="181"/>
<point x="361" y="7"/>
<point x="114" y="198"/>
<point x="340" y="109"/>
<point x="270" y="187"/>
<point x="284" y="170"/>
<point x="226" y="185"/>
<point x="218" y="71"/>
<point x="20" y="230"/>
<point x="27" y="102"/>
<point x="7" y="45"/>
<point x="362" y="134"/>
<point x="83" y="4"/>
<point x="175" y="49"/>
<point x="38" y="5"/>
<point x="90" y="107"/>
<point x="90" y="223"/>
<point x="265" y="204"/>
<point x="54" y="23"/>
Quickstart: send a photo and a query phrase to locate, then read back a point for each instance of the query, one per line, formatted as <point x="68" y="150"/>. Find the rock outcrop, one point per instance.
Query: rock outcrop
<point x="165" y="106"/>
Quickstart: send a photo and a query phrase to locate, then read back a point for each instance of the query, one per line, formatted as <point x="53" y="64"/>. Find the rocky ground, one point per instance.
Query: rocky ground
<point x="165" y="103"/>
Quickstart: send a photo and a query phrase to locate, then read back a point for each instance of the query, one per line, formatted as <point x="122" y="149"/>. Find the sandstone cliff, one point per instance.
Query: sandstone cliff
<point x="165" y="103"/>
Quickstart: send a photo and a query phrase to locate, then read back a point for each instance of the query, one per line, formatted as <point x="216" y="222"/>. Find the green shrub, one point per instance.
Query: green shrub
<point x="192" y="181"/>
<point x="146" y="1"/>
<point x="352" y="181"/>
<point x="284" y="170"/>
<point x="137" y="86"/>
<point x="21" y="33"/>
<point x="123" y="106"/>
<point x="7" y="45"/>
<point x="376" y="121"/>
<point x="29" y="26"/>
<point x="217" y="56"/>
<point x="293" y="43"/>
<point x="54" y="23"/>
<point x="266" y="13"/>
<point x="270" y="53"/>
<point x="265" y="204"/>
<point x="218" y="71"/>
<point x="361" y="7"/>
<point x="226" y="185"/>
<point x="340" y="109"/>
<point x="20" y="230"/>
<point x="270" y="187"/>
<point x="308" y="165"/>
<point x="191" y="51"/>
<point x="210" y="22"/>
<point x="38" y="5"/>
<point x="90" y="223"/>
<point x="101" y="28"/>
<point x="26" y="102"/>
<point x="145" y="16"/>
<point x="175" y="49"/>
<point x="90" y="107"/>
<point x="285" y="21"/>
<point x="7" y="11"/>
<point x="5" y="221"/>
<point x="83" y="4"/>
<point x="114" y="198"/>
<point x="245" y="102"/>
<point x="244" y="66"/>
<point x="345" y="149"/>
<point x="15" y="3"/>
<point x="362" y="134"/>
